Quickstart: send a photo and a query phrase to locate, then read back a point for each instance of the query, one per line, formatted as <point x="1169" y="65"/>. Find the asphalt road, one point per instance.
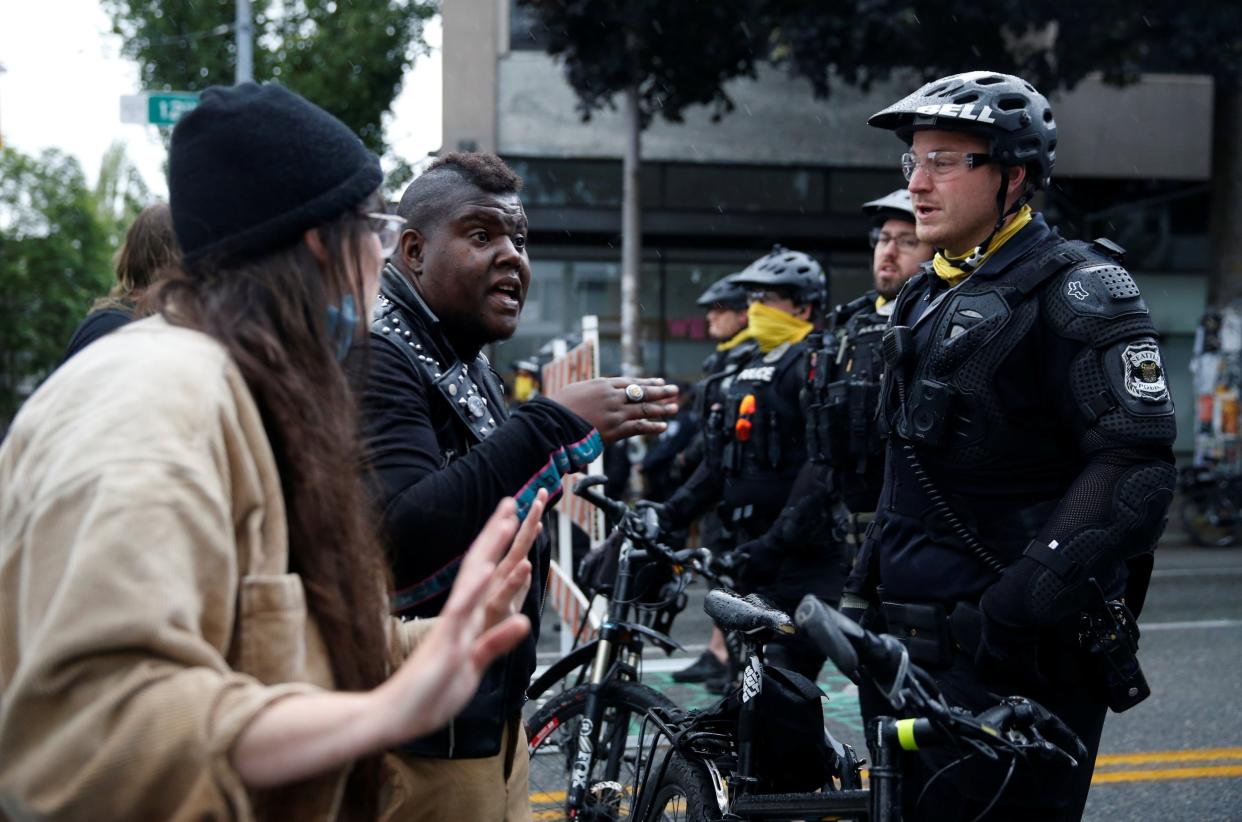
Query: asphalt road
<point x="1177" y="756"/>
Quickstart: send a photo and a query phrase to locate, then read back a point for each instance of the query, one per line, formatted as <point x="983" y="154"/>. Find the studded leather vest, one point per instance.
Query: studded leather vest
<point x="472" y="394"/>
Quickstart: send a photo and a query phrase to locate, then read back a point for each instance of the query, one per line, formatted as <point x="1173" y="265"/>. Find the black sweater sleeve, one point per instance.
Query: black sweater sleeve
<point x="704" y="489"/>
<point x="430" y="511"/>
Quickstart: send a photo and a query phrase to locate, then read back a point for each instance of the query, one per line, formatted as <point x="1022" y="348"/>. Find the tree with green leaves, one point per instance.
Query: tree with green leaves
<point x="120" y="193"/>
<point x="659" y="58"/>
<point x="1052" y="44"/>
<point x="348" y="56"/>
<point x="54" y="260"/>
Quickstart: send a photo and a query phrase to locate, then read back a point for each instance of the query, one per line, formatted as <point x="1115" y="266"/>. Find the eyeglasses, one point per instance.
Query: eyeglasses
<point x="388" y="228"/>
<point x="905" y="242"/>
<point x="942" y="165"/>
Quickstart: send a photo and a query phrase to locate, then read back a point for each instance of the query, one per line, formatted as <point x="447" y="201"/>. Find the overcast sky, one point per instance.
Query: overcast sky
<point x="64" y="78"/>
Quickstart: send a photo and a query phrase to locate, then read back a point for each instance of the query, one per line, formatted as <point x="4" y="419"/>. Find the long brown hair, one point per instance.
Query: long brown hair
<point x="148" y="253"/>
<point x="270" y="313"/>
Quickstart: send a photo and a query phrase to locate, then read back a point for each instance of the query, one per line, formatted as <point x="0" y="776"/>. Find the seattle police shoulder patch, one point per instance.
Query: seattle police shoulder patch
<point x="1144" y="373"/>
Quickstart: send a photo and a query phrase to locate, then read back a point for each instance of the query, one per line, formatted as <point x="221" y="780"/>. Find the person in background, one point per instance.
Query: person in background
<point x="843" y="380"/>
<point x="662" y="472"/>
<point x="526" y="380"/>
<point x="193" y="610"/>
<point x="147" y="254"/>
<point x="756" y="443"/>
<point x="725" y="304"/>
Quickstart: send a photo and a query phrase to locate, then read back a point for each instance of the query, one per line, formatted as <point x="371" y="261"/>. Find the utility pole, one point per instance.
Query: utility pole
<point x="244" y="32"/>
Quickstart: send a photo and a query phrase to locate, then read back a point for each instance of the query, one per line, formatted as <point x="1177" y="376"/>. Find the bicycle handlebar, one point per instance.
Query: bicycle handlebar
<point x="641" y="524"/>
<point x="1016" y="722"/>
<point x="610" y="507"/>
<point x="852" y="647"/>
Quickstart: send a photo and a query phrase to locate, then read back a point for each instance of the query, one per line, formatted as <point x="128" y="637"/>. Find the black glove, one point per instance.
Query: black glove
<point x="1007" y="657"/>
<point x="661" y="511"/>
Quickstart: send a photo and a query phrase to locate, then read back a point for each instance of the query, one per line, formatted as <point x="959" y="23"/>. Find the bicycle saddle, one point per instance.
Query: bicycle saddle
<point x="747" y="614"/>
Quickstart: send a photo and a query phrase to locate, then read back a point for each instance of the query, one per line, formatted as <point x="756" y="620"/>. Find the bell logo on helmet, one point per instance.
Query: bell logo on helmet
<point x="959" y="111"/>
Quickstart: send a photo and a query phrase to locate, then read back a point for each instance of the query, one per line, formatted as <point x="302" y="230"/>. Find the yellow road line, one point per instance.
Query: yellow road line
<point x="1200" y="755"/>
<point x="1159" y="774"/>
<point x="1103" y="761"/>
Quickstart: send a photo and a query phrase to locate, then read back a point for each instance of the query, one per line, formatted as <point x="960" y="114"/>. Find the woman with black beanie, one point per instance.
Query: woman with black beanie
<point x="193" y="610"/>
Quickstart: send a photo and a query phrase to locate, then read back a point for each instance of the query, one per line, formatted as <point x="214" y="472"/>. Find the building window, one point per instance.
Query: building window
<point x="744" y="188"/>
<point x="525" y="30"/>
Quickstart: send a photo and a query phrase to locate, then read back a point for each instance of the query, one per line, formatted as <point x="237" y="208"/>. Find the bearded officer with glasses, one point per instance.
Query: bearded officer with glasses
<point x="1029" y="463"/>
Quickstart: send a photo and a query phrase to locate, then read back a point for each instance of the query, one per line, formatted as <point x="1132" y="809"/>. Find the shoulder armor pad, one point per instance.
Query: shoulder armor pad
<point x="854" y="306"/>
<point x="1108" y="248"/>
<point x="1097" y="301"/>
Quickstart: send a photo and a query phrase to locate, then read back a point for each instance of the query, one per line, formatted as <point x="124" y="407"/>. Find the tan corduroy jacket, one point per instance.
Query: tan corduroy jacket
<point x="146" y="609"/>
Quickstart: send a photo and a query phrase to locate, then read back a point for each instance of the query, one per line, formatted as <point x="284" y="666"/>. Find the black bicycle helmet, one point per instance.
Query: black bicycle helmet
<point x="894" y="206"/>
<point x="794" y="271"/>
<point x="724" y="293"/>
<point x="1007" y="110"/>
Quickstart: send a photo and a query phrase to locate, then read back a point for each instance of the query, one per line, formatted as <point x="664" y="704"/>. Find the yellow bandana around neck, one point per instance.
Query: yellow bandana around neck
<point x="523" y="387"/>
<point x="948" y="268"/>
<point x="880" y="301"/>
<point x="736" y="340"/>
<point x="772" y="327"/>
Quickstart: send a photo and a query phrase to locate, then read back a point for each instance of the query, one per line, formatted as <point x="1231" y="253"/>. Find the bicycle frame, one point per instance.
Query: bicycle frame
<point x="616" y="654"/>
<point x="1016" y="725"/>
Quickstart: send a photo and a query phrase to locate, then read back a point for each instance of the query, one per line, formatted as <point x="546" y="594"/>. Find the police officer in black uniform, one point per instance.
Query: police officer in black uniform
<point x="725" y="303"/>
<point x="1029" y="466"/>
<point x="843" y="380"/>
<point x="756" y="435"/>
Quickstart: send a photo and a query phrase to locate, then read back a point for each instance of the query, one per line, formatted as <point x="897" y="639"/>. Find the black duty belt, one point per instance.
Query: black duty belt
<point x="933" y="632"/>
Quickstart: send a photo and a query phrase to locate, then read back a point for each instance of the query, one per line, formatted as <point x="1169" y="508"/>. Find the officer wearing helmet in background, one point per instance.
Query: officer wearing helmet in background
<point x="725" y="303"/>
<point x="527" y="377"/>
<point x="843" y="379"/>
<point x="1029" y="463"/>
<point x="758" y="430"/>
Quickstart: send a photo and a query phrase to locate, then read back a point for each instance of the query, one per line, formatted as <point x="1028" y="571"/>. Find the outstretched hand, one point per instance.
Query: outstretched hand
<point x="481" y="621"/>
<point x="603" y="403"/>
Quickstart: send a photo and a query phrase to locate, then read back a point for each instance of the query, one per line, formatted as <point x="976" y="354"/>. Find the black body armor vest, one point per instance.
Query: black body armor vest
<point x="994" y="391"/>
<point x="762" y="432"/>
<point x="842" y="400"/>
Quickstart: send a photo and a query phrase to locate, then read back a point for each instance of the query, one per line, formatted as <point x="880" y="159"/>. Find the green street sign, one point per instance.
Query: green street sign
<point x="166" y="108"/>
<point x="157" y="108"/>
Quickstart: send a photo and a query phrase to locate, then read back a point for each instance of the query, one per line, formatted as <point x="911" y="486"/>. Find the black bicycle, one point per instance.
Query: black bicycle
<point x="1211" y="505"/>
<point x="710" y="769"/>
<point x="581" y="737"/>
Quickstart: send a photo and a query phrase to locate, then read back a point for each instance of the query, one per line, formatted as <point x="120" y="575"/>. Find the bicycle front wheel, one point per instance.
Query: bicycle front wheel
<point x="552" y="731"/>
